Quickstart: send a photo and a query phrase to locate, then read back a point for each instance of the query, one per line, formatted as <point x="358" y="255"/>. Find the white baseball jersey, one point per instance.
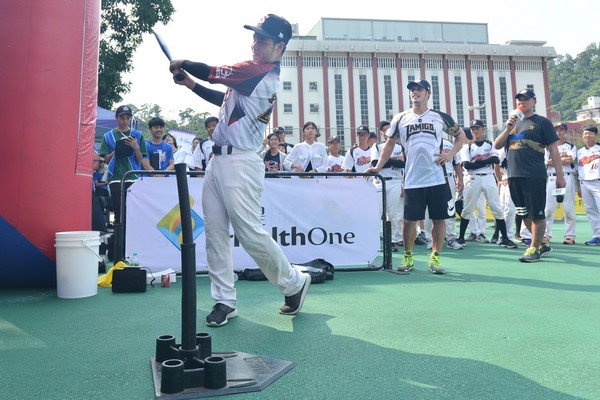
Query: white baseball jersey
<point x="248" y="102"/>
<point x="421" y="138"/>
<point x="203" y="153"/>
<point x="565" y="150"/>
<point x="446" y="148"/>
<point x="478" y="151"/>
<point x="588" y="163"/>
<point x="388" y="172"/>
<point x="358" y="159"/>
<point x="335" y="163"/>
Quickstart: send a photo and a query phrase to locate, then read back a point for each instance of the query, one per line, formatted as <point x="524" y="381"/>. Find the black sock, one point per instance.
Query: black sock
<point x="464" y="224"/>
<point x="501" y="224"/>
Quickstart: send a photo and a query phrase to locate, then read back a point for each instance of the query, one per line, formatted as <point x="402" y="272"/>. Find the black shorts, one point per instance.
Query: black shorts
<point x="529" y="196"/>
<point x="438" y="199"/>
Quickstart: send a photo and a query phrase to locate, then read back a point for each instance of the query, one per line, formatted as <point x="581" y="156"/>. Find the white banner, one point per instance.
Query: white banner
<point x="338" y="220"/>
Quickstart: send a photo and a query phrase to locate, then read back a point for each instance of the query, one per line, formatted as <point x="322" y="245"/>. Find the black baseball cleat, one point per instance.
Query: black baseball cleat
<point x="220" y="315"/>
<point x="293" y="303"/>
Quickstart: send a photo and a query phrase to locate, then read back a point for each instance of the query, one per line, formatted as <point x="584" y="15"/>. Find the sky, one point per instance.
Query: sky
<point x="216" y="36"/>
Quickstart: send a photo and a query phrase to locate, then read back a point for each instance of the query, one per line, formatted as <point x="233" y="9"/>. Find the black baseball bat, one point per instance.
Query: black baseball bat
<point x="163" y="46"/>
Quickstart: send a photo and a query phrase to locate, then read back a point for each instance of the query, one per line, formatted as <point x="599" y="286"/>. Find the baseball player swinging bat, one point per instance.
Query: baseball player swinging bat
<point x="163" y="46"/>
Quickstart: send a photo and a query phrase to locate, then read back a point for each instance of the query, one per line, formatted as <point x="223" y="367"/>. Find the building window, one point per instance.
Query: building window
<point x="504" y="98"/>
<point x="411" y="78"/>
<point x="387" y="97"/>
<point x="313" y="86"/>
<point x="481" y="99"/>
<point x="287" y="85"/>
<point x="287" y="108"/>
<point x="460" y="117"/>
<point x="339" y="109"/>
<point x="364" y="100"/>
<point x="435" y="92"/>
<point x="314" y="107"/>
<point x="288" y="130"/>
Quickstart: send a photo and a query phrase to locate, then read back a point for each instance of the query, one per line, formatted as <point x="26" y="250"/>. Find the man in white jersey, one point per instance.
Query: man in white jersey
<point x="478" y="159"/>
<point x="568" y="156"/>
<point x="234" y="177"/>
<point x="588" y="169"/>
<point x="203" y="152"/>
<point x="420" y="131"/>
<point x="358" y="158"/>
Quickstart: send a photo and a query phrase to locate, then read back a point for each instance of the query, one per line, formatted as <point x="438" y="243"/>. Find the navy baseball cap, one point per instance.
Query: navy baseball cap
<point x="333" y="139"/>
<point x="591" y="128"/>
<point x="279" y="129"/>
<point x="363" y="128"/>
<point x="421" y="83"/>
<point x="273" y="26"/>
<point x="383" y="124"/>
<point x="372" y="135"/>
<point x="527" y="93"/>
<point x="477" y="122"/>
<point x="123" y="110"/>
<point x="561" y="125"/>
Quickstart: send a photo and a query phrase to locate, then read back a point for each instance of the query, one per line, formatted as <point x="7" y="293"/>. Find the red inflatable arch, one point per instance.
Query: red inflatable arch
<point x="48" y="86"/>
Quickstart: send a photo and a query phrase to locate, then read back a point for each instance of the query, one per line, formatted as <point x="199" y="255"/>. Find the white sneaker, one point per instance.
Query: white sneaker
<point x="429" y="245"/>
<point x="453" y="244"/>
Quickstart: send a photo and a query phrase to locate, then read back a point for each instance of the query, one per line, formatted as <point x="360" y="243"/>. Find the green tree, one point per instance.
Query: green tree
<point x="573" y="80"/>
<point x="121" y="27"/>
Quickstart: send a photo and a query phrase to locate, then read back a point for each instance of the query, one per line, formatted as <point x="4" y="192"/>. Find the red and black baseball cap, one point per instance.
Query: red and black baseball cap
<point x="273" y="26"/>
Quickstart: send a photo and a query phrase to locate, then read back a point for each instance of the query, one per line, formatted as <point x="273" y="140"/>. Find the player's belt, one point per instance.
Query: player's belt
<point x="389" y="178"/>
<point x="489" y="173"/>
<point x="566" y="173"/>
<point x="220" y="150"/>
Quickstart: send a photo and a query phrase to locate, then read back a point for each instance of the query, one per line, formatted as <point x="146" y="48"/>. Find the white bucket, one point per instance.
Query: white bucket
<point x="77" y="264"/>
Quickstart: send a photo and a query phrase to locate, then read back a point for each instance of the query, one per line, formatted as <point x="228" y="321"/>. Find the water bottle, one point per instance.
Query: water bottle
<point x="133" y="260"/>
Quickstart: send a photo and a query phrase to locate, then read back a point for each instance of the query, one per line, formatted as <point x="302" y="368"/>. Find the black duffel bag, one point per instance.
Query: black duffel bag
<point x="319" y="270"/>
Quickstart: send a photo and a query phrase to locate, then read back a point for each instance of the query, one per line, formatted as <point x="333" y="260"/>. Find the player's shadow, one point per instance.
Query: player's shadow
<point x="340" y="367"/>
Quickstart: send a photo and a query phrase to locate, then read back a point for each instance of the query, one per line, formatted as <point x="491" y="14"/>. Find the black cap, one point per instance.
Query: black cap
<point x="279" y="129"/>
<point x="477" y="122"/>
<point x="333" y="139"/>
<point x="527" y="93"/>
<point x="383" y="124"/>
<point x="363" y="128"/>
<point x="561" y="125"/>
<point x="123" y="110"/>
<point x="273" y="26"/>
<point x="372" y="135"/>
<point x="591" y="128"/>
<point x="421" y="83"/>
<point x="468" y="133"/>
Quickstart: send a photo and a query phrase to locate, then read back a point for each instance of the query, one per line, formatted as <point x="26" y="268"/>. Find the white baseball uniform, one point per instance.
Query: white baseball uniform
<point x="393" y="177"/>
<point x="565" y="150"/>
<point x="588" y="169"/>
<point x="480" y="180"/>
<point x="357" y="159"/>
<point x="234" y="181"/>
<point x="508" y="207"/>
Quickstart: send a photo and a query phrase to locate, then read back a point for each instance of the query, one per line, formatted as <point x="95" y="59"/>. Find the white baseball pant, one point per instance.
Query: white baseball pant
<point x="568" y="206"/>
<point x="590" y="194"/>
<point x="232" y="190"/>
